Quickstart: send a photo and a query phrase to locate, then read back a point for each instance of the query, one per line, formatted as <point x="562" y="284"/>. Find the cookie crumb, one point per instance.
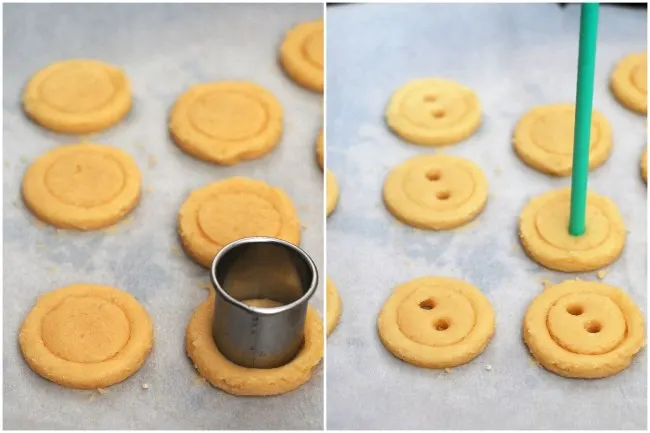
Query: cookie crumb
<point x="102" y="391"/>
<point x="488" y="367"/>
<point x="152" y="161"/>
<point x="546" y="283"/>
<point x="200" y="381"/>
<point x="448" y="370"/>
<point x="601" y="274"/>
<point x="175" y="251"/>
<point x="145" y="386"/>
<point x="91" y="397"/>
<point x="149" y="189"/>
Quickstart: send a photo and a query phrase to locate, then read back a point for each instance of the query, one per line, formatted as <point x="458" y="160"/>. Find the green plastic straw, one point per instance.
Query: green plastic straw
<point x="584" y="99"/>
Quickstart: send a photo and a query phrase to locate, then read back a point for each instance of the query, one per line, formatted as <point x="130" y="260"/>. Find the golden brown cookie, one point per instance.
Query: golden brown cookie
<point x="584" y="329"/>
<point x="238" y="380"/>
<point x="320" y="150"/>
<point x="301" y="54"/>
<point x="78" y="96"/>
<point x="644" y="165"/>
<point x="434" y="112"/>
<point x="226" y="122"/>
<point x="82" y="186"/>
<point x="436" y="191"/>
<point x="222" y="212"/>
<point x="543" y="139"/>
<point x="629" y="82"/>
<point x="334" y="307"/>
<point x="332" y="191"/>
<point x="436" y="322"/>
<point x="86" y="336"/>
<point x="544" y="232"/>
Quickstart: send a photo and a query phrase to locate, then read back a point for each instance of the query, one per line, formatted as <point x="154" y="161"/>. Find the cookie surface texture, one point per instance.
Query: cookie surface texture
<point x="332" y="191"/>
<point x="82" y="186"/>
<point x="584" y="329"/>
<point x="629" y="82"/>
<point x="237" y="380"/>
<point x="544" y="232"/>
<point x="543" y="139"/>
<point x="225" y="211"/>
<point x="86" y="336"/>
<point x="436" y="322"/>
<point x="78" y="96"/>
<point x="226" y="122"/>
<point x="301" y="55"/>
<point x="434" y="112"/>
<point x="436" y="192"/>
<point x="334" y="307"/>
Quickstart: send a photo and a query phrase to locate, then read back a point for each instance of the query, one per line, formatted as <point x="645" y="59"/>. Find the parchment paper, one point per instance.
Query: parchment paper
<point x="164" y="49"/>
<point x="514" y="57"/>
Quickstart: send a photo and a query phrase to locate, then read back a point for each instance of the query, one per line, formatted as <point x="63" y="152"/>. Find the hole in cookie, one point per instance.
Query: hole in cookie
<point x="574" y="310"/>
<point x="430" y="98"/>
<point x="438" y="114"/>
<point x="442" y="325"/>
<point x="433" y="175"/>
<point x="593" y="327"/>
<point x="443" y="195"/>
<point x="428" y="304"/>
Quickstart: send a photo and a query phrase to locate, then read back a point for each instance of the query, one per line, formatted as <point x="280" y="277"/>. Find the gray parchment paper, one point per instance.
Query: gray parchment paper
<point x="514" y="57"/>
<point x="164" y="49"/>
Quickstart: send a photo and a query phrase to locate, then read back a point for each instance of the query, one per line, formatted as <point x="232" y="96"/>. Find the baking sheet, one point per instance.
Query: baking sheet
<point x="514" y="57"/>
<point x="164" y="49"/>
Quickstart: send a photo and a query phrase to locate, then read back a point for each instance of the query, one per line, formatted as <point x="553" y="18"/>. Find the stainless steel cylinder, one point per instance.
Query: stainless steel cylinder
<point x="254" y="271"/>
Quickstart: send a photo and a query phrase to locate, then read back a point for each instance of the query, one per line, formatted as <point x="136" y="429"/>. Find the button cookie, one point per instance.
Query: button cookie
<point x="434" y="112"/>
<point x="301" y="54"/>
<point x="332" y="191"/>
<point x="83" y="186"/>
<point x="334" y="307"/>
<point x="629" y="82"/>
<point x="544" y="232"/>
<point x="543" y="139"/>
<point x="78" y="96"/>
<point x="237" y="380"/>
<point x="226" y="122"/>
<point x="436" y="322"/>
<point x="584" y="329"/>
<point x="222" y="212"/>
<point x="86" y="336"/>
<point x="436" y="191"/>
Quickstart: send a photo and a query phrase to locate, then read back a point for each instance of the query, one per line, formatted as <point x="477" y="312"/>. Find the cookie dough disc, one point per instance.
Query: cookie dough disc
<point x="436" y="322"/>
<point x="226" y="122"/>
<point x="238" y="380"/>
<point x="434" y="112"/>
<point x="332" y="191"/>
<point x="320" y="150"/>
<point x="78" y="96"/>
<point x="544" y="232"/>
<point x="584" y="329"/>
<point x="436" y="191"/>
<point x="301" y="54"/>
<point x="644" y="165"/>
<point x="232" y="209"/>
<point x="543" y="139"/>
<point x="86" y="336"/>
<point x="82" y="186"/>
<point x="630" y="82"/>
<point x="334" y="306"/>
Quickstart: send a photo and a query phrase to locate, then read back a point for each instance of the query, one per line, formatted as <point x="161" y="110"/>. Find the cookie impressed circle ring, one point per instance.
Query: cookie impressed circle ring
<point x="78" y="96"/>
<point x="543" y="139"/>
<point x="544" y="232"/>
<point x="334" y="306"/>
<point x="584" y="329"/>
<point x="226" y="122"/>
<point x="82" y="186"/>
<point x="436" y="191"/>
<point x="434" y="112"/>
<point x="86" y="336"/>
<point x="629" y="82"/>
<point x="301" y="54"/>
<point x="436" y="322"/>
<point x="222" y="212"/>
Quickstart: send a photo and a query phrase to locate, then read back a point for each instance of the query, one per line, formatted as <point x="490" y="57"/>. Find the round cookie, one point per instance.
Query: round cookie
<point x="237" y="380"/>
<point x="584" y="329"/>
<point x="222" y="212"/>
<point x="334" y="306"/>
<point x="544" y="232"/>
<point x="436" y="322"/>
<point x="332" y="191"/>
<point x="629" y="82"/>
<point x="82" y="186"/>
<point x="434" y="112"/>
<point x="301" y="55"/>
<point x="86" y="336"/>
<point x="644" y="165"/>
<point x="543" y="139"/>
<point x="78" y="96"/>
<point x="226" y="122"/>
<point x="320" y="152"/>
<point x="436" y="191"/>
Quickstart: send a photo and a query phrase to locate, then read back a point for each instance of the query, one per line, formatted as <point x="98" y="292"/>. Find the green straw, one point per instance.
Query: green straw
<point x="584" y="99"/>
